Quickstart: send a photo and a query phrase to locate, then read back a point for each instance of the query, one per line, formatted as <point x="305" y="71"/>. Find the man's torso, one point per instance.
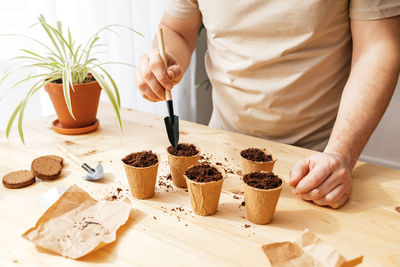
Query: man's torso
<point x="277" y="69"/>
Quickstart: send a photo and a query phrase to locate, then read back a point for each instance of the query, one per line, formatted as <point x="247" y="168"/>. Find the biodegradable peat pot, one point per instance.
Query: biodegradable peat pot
<point x="142" y="180"/>
<point x="249" y="165"/>
<point x="204" y="196"/>
<point x="181" y="161"/>
<point x="261" y="203"/>
<point x="84" y="101"/>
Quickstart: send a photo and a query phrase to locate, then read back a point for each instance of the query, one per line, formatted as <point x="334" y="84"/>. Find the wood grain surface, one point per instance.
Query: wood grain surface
<point x="163" y="231"/>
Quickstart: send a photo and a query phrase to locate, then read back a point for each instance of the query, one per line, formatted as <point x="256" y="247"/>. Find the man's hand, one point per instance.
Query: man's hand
<point x="180" y="37"/>
<point x="323" y="178"/>
<point x="151" y="77"/>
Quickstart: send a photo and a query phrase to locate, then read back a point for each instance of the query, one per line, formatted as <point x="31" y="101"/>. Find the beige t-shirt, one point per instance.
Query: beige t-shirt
<point x="278" y="67"/>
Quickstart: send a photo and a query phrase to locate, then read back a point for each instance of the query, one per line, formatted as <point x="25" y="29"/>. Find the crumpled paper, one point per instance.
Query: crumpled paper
<point x="307" y="250"/>
<point x="77" y="224"/>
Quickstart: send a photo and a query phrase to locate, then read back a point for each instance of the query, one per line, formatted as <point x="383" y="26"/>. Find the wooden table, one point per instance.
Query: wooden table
<point x="160" y="235"/>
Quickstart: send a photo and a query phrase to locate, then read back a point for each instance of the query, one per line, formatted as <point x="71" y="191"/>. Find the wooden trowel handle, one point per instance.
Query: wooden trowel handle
<point x="161" y="48"/>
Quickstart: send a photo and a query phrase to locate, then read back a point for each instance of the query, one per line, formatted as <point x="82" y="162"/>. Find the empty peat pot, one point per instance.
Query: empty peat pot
<point x="255" y="159"/>
<point x="179" y="160"/>
<point x="204" y="182"/>
<point x="141" y="171"/>
<point x="261" y="194"/>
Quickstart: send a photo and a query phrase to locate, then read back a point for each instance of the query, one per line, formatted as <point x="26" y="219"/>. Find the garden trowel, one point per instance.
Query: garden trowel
<point x="92" y="174"/>
<point x="172" y="121"/>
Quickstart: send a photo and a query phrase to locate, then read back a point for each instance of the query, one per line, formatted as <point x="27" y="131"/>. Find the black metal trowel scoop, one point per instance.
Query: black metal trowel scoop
<point x="172" y="121"/>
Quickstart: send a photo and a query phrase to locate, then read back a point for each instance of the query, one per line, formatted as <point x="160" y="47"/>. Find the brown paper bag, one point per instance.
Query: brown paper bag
<point x="308" y="251"/>
<point x="142" y="181"/>
<point x="255" y="166"/>
<point x="261" y="203"/>
<point x="77" y="224"/>
<point x="178" y="166"/>
<point x="204" y="197"/>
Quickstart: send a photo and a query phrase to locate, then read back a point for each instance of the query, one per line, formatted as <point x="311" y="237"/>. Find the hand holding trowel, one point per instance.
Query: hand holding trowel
<point x="172" y="121"/>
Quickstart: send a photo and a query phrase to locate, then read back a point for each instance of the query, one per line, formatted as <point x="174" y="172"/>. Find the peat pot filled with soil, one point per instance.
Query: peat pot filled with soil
<point x="179" y="160"/>
<point x="204" y="182"/>
<point x="141" y="171"/>
<point x="261" y="194"/>
<point x="255" y="159"/>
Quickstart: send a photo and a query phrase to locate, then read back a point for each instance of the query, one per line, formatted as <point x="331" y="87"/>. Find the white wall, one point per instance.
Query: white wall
<point x="9" y="23"/>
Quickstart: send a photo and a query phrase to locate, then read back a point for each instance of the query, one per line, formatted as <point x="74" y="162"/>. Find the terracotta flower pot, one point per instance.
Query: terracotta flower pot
<point x="84" y="102"/>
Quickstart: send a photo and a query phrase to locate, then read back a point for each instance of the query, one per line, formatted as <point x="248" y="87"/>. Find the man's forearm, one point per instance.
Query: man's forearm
<point x="181" y="45"/>
<point x="372" y="80"/>
<point x="175" y="45"/>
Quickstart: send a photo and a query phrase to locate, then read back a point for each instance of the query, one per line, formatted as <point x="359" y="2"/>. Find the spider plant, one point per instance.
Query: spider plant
<point x="66" y="61"/>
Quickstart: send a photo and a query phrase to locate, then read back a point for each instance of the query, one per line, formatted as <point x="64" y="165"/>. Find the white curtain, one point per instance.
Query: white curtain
<point x="84" y="17"/>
